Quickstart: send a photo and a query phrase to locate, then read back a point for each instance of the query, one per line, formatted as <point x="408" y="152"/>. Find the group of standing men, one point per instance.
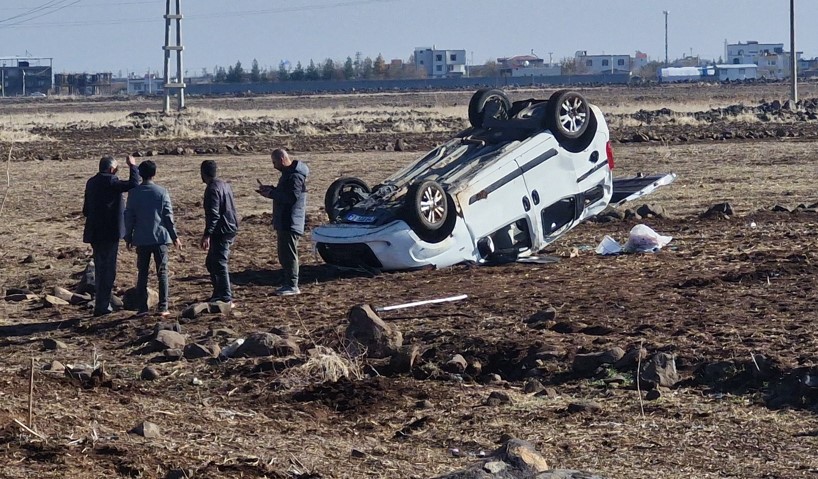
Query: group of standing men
<point x="146" y="222"/>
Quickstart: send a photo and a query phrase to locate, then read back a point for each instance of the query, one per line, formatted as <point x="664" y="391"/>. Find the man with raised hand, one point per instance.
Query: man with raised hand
<point x="103" y="210"/>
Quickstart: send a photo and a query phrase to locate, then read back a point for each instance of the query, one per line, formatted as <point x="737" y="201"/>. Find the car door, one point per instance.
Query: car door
<point x="550" y="177"/>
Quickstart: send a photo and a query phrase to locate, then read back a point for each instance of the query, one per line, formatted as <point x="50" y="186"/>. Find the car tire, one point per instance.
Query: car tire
<point x="570" y="119"/>
<point x="429" y="211"/>
<point x="343" y="194"/>
<point x="483" y="98"/>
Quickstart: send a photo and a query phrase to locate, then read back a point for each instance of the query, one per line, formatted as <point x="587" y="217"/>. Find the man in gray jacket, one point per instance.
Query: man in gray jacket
<point x="289" y="213"/>
<point x="149" y="226"/>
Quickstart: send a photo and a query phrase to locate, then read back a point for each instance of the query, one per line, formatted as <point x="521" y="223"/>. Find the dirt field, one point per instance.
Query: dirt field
<point x="731" y="297"/>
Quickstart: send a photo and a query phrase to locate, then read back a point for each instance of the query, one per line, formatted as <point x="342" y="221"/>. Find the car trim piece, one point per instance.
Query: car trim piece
<point x="593" y="170"/>
<point x="514" y="174"/>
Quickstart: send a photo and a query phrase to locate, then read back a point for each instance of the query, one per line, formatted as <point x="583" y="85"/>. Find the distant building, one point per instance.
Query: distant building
<point x="440" y="63"/>
<point x="733" y="72"/>
<point x="601" y="64"/>
<point x="640" y="60"/>
<point x="149" y="84"/>
<point x="684" y="74"/>
<point x="85" y="84"/>
<point x="25" y="76"/>
<point x="526" y="65"/>
<point x="772" y="61"/>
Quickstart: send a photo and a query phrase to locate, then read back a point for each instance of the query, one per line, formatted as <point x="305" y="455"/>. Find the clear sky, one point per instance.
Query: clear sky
<point x="127" y="35"/>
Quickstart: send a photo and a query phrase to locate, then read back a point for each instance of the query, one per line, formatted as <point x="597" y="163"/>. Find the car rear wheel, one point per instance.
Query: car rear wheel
<point x="488" y="102"/>
<point x="570" y="119"/>
<point x="343" y="194"/>
<point x="430" y="211"/>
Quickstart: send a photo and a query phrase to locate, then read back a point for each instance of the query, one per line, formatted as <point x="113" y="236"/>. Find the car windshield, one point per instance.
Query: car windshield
<point x="453" y="163"/>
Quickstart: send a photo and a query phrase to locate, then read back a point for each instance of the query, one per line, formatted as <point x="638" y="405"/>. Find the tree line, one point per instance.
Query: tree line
<point x="359" y="68"/>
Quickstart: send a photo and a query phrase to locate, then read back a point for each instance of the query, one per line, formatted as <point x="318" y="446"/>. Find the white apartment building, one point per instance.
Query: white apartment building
<point x="440" y="63"/>
<point x="600" y="64"/>
<point x="773" y="62"/>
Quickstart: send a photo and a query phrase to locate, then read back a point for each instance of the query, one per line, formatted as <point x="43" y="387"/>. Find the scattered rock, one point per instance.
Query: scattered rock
<point x="583" y="407"/>
<point x="548" y="392"/>
<point x="168" y="326"/>
<point x="660" y="370"/>
<point x="220" y="307"/>
<point x="262" y="344"/>
<point x="53" y="344"/>
<point x="367" y="334"/>
<point x="588" y="363"/>
<point x="149" y="374"/>
<point x="54" y="367"/>
<point x="52" y="301"/>
<point x="719" y="210"/>
<point x="62" y="293"/>
<point x="28" y="259"/>
<point x="780" y="209"/>
<point x="568" y="327"/>
<point x="456" y="365"/>
<point x="130" y="300"/>
<point x="653" y="395"/>
<point x="195" y="310"/>
<point x="404" y="359"/>
<point x="165" y="339"/>
<point x="497" y="398"/>
<point x="16" y="298"/>
<point x="651" y="211"/>
<point x="200" y="351"/>
<point x="631" y="359"/>
<point x="146" y="429"/>
<point x="533" y="386"/>
<point x="173" y="354"/>
<point x="400" y="145"/>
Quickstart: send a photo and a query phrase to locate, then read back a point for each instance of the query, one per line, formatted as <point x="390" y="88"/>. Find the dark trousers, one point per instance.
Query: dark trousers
<point x="104" y="274"/>
<point x="288" y="256"/>
<point x="143" y="262"/>
<point x="216" y="262"/>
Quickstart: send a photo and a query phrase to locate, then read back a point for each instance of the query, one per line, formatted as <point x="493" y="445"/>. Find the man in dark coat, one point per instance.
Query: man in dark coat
<point x="103" y="209"/>
<point x="289" y="213"/>
<point x="221" y="226"/>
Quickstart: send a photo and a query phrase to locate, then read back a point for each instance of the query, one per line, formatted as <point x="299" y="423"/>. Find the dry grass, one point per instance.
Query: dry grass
<point x="324" y="365"/>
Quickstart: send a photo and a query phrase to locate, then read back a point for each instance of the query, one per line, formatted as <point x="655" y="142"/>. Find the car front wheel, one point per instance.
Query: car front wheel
<point x="343" y="194"/>
<point x="430" y="211"/>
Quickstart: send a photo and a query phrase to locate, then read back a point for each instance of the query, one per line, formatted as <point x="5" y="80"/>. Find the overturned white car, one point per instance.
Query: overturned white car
<point x="520" y="177"/>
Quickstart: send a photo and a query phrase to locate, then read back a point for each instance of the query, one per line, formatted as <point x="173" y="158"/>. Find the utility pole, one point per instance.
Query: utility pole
<point x="793" y="58"/>
<point x="177" y="83"/>
<point x="666" y="12"/>
<point x="24" y="83"/>
<point x="550" y="54"/>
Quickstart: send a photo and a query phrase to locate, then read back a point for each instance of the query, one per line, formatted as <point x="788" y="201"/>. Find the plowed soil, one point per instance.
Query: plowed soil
<point x="732" y="297"/>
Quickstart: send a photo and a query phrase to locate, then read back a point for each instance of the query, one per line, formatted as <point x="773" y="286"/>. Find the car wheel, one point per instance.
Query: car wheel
<point x="343" y="194"/>
<point x="488" y="101"/>
<point x="430" y="211"/>
<point x="570" y="119"/>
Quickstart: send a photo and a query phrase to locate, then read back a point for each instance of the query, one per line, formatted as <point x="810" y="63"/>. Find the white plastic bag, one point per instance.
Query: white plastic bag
<point x="607" y="246"/>
<point x="643" y="239"/>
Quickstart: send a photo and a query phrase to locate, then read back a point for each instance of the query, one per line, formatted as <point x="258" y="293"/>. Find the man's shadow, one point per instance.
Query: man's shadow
<point x="320" y="273"/>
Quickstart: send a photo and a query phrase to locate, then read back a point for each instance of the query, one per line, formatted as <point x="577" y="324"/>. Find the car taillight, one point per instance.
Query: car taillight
<point x="609" y="152"/>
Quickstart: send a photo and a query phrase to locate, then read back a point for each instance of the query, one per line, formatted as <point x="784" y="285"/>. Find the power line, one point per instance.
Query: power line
<point x="203" y="16"/>
<point x="41" y="15"/>
<point x="44" y="6"/>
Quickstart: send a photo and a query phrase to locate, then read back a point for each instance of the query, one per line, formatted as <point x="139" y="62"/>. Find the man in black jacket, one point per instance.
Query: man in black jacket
<point x="289" y="214"/>
<point x="221" y="226"/>
<point x="103" y="210"/>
